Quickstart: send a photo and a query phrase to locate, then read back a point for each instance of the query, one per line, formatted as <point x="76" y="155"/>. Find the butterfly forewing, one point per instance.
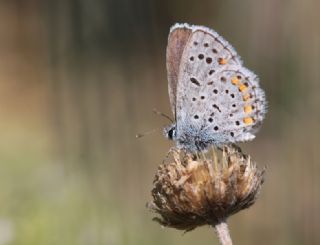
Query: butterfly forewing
<point x="177" y="40"/>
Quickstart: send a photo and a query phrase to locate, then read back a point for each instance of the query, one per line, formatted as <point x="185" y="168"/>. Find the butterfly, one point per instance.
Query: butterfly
<point x="215" y="100"/>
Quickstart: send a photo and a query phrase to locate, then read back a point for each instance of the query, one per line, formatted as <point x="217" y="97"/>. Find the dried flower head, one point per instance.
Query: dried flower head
<point x="191" y="191"/>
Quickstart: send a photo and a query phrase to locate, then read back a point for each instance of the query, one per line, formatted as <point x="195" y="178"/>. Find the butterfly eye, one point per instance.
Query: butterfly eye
<point x="171" y="133"/>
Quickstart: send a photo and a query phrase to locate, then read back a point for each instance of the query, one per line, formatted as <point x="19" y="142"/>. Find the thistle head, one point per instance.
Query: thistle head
<point x="194" y="190"/>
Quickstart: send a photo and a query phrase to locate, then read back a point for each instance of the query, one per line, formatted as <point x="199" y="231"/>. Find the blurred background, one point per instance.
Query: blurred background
<point x="78" y="80"/>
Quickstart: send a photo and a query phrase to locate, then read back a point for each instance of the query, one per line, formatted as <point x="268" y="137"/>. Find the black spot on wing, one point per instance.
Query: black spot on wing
<point x="194" y="81"/>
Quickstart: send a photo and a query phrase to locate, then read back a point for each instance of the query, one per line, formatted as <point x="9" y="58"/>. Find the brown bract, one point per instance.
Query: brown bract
<point x="191" y="191"/>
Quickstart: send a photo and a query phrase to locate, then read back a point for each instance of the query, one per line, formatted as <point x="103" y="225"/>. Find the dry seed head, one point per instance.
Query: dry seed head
<point x="191" y="191"/>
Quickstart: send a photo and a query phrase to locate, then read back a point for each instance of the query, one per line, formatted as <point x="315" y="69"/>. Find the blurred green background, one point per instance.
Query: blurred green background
<point x="78" y="80"/>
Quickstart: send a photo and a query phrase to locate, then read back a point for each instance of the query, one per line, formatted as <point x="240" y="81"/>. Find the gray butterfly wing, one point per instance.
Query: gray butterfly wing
<point x="239" y="105"/>
<point x="218" y="100"/>
<point x="177" y="40"/>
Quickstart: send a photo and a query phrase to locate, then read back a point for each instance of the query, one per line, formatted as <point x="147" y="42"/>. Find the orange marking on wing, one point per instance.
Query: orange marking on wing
<point x="235" y="81"/>
<point x="246" y="97"/>
<point x="247" y="109"/>
<point x="222" y="61"/>
<point x="242" y="87"/>
<point x="248" y="120"/>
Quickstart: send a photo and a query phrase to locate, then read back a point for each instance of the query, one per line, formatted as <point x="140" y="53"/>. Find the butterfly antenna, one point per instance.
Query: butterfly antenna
<point x="162" y="114"/>
<point x="147" y="133"/>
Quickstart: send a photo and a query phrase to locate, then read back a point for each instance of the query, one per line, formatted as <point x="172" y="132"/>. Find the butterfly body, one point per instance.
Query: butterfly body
<point x="215" y="100"/>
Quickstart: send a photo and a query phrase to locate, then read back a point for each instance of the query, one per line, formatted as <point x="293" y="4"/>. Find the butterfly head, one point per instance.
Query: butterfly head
<point x="170" y="131"/>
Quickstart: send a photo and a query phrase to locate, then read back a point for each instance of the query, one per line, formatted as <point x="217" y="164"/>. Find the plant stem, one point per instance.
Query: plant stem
<point x="223" y="233"/>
